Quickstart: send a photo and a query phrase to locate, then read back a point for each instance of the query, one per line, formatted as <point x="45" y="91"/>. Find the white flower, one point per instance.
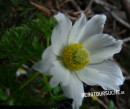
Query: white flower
<point x="80" y="53"/>
<point x="20" y="71"/>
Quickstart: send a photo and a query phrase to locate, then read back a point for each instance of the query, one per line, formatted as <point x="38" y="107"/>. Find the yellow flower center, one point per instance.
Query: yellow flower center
<point x="20" y="69"/>
<point x="76" y="57"/>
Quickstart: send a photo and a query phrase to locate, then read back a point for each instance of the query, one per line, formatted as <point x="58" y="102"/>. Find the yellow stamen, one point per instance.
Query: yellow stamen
<point x="76" y="57"/>
<point x="20" y="69"/>
<point x="94" y="98"/>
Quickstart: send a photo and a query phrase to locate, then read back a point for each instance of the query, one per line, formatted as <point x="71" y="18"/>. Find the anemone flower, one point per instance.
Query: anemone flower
<point x="80" y="53"/>
<point x="20" y="72"/>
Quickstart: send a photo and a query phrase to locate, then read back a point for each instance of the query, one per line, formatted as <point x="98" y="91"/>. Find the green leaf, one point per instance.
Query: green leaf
<point x="56" y="90"/>
<point x="111" y="106"/>
<point x="29" y="80"/>
<point x="22" y="45"/>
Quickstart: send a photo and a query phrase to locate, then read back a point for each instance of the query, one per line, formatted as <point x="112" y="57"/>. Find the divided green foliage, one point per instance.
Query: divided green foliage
<point x="22" y="45"/>
<point x="16" y="12"/>
<point x="43" y="26"/>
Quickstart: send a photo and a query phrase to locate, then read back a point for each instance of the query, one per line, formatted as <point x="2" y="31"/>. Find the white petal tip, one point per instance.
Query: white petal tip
<point x="123" y="80"/>
<point x="121" y="42"/>
<point x="59" y="16"/>
<point x="103" y="17"/>
<point x="35" y="67"/>
<point x="82" y="14"/>
<point x="53" y="82"/>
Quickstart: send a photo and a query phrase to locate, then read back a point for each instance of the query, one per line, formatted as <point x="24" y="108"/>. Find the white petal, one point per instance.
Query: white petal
<point x="102" y="47"/>
<point x="20" y="71"/>
<point x="60" y="74"/>
<point x="94" y="26"/>
<point x="54" y="82"/>
<point x="73" y="90"/>
<point x="79" y="24"/>
<point x="106" y="74"/>
<point x="60" y="34"/>
<point x="45" y="64"/>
